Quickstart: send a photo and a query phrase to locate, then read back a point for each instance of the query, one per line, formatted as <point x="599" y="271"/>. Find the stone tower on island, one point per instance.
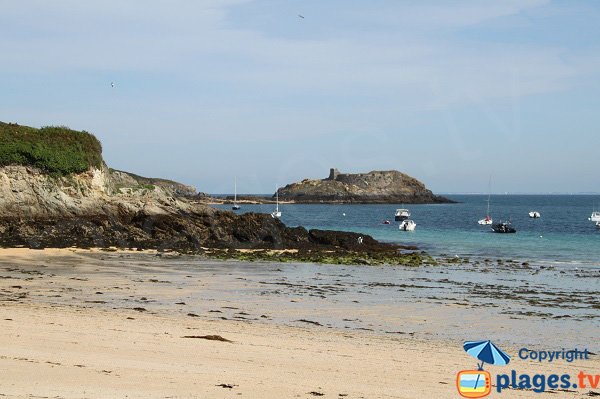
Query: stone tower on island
<point x="333" y="174"/>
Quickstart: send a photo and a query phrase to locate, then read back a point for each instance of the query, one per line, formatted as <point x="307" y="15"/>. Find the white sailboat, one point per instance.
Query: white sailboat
<point x="276" y="214"/>
<point x="235" y="206"/>
<point x="488" y="219"/>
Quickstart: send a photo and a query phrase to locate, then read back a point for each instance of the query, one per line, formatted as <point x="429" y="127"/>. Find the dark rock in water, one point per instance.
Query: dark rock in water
<point x="377" y="187"/>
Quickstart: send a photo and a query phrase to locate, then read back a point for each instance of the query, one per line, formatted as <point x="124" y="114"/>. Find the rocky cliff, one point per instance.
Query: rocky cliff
<point x="55" y="198"/>
<point x="373" y="187"/>
<point x="93" y="209"/>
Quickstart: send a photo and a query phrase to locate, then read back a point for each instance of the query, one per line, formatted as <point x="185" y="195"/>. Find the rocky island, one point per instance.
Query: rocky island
<point x="376" y="187"/>
<point x="56" y="191"/>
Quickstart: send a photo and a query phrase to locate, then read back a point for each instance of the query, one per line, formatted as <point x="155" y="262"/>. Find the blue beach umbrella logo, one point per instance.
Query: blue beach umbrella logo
<point x="477" y="383"/>
<point x="487" y="352"/>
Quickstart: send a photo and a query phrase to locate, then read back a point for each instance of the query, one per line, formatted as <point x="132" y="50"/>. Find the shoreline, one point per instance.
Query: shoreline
<point x="385" y="254"/>
<point x="114" y="324"/>
<point x="504" y="294"/>
<point x="268" y="201"/>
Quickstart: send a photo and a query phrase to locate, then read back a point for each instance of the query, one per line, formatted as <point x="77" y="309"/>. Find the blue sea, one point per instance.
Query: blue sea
<point x="563" y="234"/>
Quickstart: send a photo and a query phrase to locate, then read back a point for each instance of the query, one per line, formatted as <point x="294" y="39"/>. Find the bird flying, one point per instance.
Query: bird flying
<point x="301" y="16"/>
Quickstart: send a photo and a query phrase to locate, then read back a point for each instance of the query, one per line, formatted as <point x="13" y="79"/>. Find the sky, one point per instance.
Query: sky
<point x="269" y="92"/>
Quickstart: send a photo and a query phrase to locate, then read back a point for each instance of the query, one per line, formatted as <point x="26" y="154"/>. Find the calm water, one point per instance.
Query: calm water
<point x="562" y="235"/>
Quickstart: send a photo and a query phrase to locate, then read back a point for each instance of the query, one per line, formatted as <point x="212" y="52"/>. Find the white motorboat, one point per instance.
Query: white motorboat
<point x="595" y="216"/>
<point x="534" y="215"/>
<point x="235" y="205"/>
<point x="276" y="214"/>
<point x="401" y="214"/>
<point x="407" y="225"/>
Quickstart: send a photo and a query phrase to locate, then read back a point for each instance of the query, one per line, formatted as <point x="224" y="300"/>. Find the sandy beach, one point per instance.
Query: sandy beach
<point x="90" y="324"/>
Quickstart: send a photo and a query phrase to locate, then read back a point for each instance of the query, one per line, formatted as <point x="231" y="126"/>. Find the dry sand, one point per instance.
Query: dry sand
<point x="72" y="349"/>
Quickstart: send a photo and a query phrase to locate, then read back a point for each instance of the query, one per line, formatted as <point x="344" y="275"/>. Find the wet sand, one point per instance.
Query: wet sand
<point x="99" y="324"/>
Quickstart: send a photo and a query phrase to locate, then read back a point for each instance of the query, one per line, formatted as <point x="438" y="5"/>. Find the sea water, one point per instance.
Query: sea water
<point x="563" y="234"/>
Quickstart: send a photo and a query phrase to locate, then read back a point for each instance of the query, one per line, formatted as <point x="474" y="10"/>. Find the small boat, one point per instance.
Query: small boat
<point x="276" y="214"/>
<point x="407" y="225"/>
<point x="488" y="219"/>
<point x="595" y="216"/>
<point x="598" y="225"/>
<point x="503" y="227"/>
<point x="534" y="215"/>
<point x="235" y="205"/>
<point x="401" y="214"/>
<point x="386" y="222"/>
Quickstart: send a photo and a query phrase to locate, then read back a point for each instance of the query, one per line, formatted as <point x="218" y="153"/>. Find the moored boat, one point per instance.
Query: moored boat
<point x="595" y="216"/>
<point x="535" y="215"/>
<point x="407" y="225"/>
<point x="401" y="214"/>
<point x="235" y="205"/>
<point x="486" y="220"/>
<point x="276" y="214"/>
<point x="503" y="227"/>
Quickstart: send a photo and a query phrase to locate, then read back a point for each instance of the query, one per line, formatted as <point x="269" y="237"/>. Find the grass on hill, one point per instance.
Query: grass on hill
<point x="56" y="150"/>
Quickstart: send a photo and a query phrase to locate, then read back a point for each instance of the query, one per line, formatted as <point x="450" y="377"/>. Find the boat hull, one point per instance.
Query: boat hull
<point x="401" y="215"/>
<point x="407" y="225"/>
<point x="503" y="228"/>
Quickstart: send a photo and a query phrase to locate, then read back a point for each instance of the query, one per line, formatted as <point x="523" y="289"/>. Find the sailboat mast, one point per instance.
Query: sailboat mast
<point x="235" y="190"/>
<point x="489" y="194"/>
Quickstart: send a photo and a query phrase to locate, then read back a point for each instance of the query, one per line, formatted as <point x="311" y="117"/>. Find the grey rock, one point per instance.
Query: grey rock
<point x="372" y="187"/>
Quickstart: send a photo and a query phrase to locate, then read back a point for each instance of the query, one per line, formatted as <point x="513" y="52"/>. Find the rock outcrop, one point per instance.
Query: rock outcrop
<point x="27" y="192"/>
<point x="373" y="187"/>
<point x="124" y="180"/>
<point x="55" y="199"/>
<point x="93" y="209"/>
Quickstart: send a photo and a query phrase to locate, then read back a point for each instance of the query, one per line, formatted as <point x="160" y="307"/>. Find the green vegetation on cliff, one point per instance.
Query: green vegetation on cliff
<point x="57" y="150"/>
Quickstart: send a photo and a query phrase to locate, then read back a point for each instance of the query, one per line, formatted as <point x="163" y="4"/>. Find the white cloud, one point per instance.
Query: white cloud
<point x="201" y="72"/>
<point x="192" y="40"/>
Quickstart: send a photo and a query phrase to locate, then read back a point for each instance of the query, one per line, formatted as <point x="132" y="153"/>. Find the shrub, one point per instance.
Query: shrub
<point x="56" y="150"/>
